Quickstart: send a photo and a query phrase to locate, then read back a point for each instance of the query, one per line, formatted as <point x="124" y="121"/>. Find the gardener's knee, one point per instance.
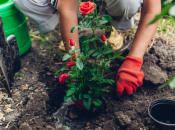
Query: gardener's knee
<point x="121" y="7"/>
<point x="18" y="3"/>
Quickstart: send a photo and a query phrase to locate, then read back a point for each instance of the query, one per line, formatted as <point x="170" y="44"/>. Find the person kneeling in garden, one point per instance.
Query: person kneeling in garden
<point x="46" y="13"/>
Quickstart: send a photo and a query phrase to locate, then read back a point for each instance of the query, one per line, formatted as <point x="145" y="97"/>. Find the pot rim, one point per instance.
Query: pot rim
<point x="160" y="101"/>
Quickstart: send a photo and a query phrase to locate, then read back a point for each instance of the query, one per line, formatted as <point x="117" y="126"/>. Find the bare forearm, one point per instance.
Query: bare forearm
<point x="144" y="33"/>
<point x="67" y="20"/>
<point x="143" y="36"/>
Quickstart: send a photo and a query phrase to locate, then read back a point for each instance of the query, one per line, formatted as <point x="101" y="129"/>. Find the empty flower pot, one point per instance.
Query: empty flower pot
<point x="162" y="112"/>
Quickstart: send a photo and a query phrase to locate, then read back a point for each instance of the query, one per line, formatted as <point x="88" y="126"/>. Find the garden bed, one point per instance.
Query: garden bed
<point x="37" y="93"/>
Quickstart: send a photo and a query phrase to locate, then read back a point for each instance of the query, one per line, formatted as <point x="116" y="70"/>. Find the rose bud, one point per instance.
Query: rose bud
<point x="73" y="56"/>
<point x="62" y="78"/>
<point x="103" y="38"/>
<point x="72" y="43"/>
<point x="70" y="64"/>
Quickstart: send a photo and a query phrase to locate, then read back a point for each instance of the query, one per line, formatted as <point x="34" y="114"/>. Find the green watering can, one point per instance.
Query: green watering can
<point x="15" y="23"/>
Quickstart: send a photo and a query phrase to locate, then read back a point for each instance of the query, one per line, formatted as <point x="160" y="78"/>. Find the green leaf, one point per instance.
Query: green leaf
<point x="90" y="52"/>
<point x="74" y="70"/>
<point x="109" y="28"/>
<point x="172" y="10"/>
<point x="95" y="54"/>
<point x="108" y="81"/>
<point x="70" y="51"/>
<point x="67" y="98"/>
<point x="79" y="64"/>
<point x="116" y="54"/>
<point x="87" y="103"/>
<point x="104" y="89"/>
<point x="103" y="98"/>
<point x="74" y="28"/>
<point x="88" y="23"/>
<point x="97" y="102"/>
<point x="71" y="91"/>
<point x="75" y="79"/>
<point x="84" y="39"/>
<point x="164" y="85"/>
<point x="71" y="74"/>
<point x="81" y="23"/>
<point x="74" y="97"/>
<point x="172" y="83"/>
<point x="107" y="63"/>
<point x="66" y="56"/>
<point x="121" y="57"/>
<point x="62" y="69"/>
<point x="80" y="97"/>
<point x="81" y="54"/>
<point x="85" y="47"/>
<point x="107" y="17"/>
<point x="106" y="43"/>
<point x="95" y="94"/>
<point x="109" y="56"/>
<point x="87" y="96"/>
<point x="84" y="57"/>
<point x="77" y="50"/>
<point x="71" y="85"/>
<point x="102" y="62"/>
<point x="163" y="13"/>
<point x="99" y="56"/>
<point x="101" y="22"/>
<point x="108" y="51"/>
<point x="94" y="38"/>
<point x="80" y="28"/>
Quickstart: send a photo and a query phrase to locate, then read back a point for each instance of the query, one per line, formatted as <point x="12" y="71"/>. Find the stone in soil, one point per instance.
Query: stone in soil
<point x="12" y="128"/>
<point x="109" y="125"/>
<point x="50" y="128"/>
<point x="12" y="116"/>
<point x="99" y="128"/>
<point x="25" y="126"/>
<point x="73" y="111"/>
<point x="123" y="120"/>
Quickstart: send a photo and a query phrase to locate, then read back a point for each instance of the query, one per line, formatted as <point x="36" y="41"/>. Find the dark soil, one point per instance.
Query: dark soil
<point x="40" y="94"/>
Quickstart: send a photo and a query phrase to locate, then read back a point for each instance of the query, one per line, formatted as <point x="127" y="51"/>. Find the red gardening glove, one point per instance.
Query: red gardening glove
<point x="129" y="76"/>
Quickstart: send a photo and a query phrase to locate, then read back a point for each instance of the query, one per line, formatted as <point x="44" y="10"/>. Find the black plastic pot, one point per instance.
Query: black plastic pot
<point x="162" y="112"/>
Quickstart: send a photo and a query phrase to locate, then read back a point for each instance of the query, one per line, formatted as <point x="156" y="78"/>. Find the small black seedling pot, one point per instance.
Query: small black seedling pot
<point x="162" y="112"/>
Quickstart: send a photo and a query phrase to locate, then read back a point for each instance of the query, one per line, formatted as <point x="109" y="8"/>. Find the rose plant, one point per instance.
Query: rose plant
<point x="85" y="80"/>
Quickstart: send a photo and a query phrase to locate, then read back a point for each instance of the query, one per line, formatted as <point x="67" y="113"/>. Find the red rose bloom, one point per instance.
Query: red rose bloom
<point x="70" y="64"/>
<point x="86" y="7"/>
<point x="73" y="56"/>
<point x="103" y="38"/>
<point x="72" y="43"/>
<point x="62" y="78"/>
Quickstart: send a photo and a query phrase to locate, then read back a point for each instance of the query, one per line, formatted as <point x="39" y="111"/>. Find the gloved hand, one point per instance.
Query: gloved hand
<point x="129" y="76"/>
